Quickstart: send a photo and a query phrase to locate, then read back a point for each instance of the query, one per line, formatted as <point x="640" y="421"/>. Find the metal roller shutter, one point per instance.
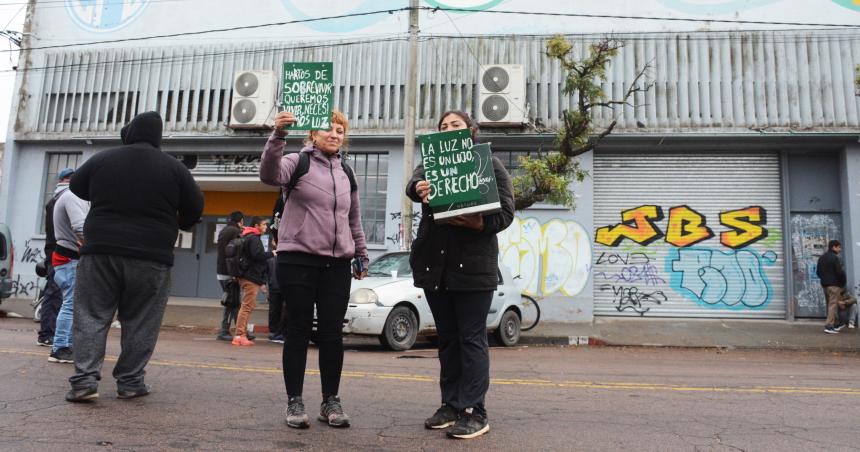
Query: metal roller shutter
<point x="701" y="235"/>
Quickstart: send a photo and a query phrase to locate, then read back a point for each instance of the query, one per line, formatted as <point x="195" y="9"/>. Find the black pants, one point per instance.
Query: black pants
<point x="138" y="289"/>
<point x="52" y="300"/>
<point x="327" y="287"/>
<point x="464" y="355"/>
<point x="276" y="311"/>
<point x="231" y="313"/>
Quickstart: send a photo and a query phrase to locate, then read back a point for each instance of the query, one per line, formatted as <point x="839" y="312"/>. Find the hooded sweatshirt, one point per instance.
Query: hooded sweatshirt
<point x="140" y="196"/>
<point x="68" y="218"/>
<point x="258" y="268"/>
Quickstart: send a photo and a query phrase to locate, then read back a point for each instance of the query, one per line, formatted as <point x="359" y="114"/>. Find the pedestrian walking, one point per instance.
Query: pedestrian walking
<point x="254" y="275"/>
<point x="456" y="264"/>
<point x="229" y="284"/>
<point x="140" y="198"/>
<point x="320" y="233"/>
<point x="70" y="212"/>
<point x="276" y="298"/>
<point x="52" y="295"/>
<point x="832" y="275"/>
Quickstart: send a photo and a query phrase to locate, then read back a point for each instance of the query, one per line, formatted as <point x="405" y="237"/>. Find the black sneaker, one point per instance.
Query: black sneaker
<point x="277" y="338"/>
<point x="63" y="355"/>
<point x="45" y="342"/>
<point x="250" y="336"/>
<point x="470" y="425"/>
<point x="82" y="395"/>
<point x="444" y="417"/>
<point x="224" y="336"/>
<point x="331" y="412"/>
<point x="830" y="330"/>
<point x="130" y="393"/>
<point x="839" y="327"/>
<point x="296" y="416"/>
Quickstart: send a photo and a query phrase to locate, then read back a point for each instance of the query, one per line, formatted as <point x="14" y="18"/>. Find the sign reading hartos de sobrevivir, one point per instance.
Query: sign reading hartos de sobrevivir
<point x="308" y="92"/>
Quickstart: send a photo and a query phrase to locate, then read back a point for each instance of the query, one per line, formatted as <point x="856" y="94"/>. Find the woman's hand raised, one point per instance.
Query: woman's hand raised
<point x="422" y="188"/>
<point x="284" y="119"/>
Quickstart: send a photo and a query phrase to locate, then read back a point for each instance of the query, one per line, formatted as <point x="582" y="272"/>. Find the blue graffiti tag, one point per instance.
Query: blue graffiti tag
<point x="105" y="15"/>
<point x="717" y="279"/>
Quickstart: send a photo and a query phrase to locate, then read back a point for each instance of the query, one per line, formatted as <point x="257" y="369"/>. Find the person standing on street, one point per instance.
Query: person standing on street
<point x="456" y="264"/>
<point x="276" y="297"/>
<point x="254" y="275"/>
<point x="320" y="233"/>
<point x="70" y="212"/>
<point x="52" y="296"/>
<point x="832" y="275"/>
<point x="233" y="229"/>
<point x="140" y="198"/>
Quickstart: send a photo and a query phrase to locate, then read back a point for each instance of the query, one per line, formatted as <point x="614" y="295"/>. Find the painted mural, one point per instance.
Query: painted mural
<point x="809" y="236"/>
<point x="660" y="255"/>
<point x="549" y="258"/>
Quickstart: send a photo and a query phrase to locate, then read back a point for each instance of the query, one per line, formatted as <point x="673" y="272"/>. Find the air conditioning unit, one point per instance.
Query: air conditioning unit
<point x="254" y="99"/>
<point x="502" y="99"/>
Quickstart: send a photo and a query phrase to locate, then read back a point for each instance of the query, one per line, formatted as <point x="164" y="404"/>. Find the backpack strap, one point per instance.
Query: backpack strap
<point x="353" y="186"/>
<point x="300" y="170"/>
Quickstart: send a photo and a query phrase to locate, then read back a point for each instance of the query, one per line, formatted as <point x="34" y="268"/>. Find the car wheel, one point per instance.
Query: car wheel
<point x="509" y="329"/>
<point x="401" y="329"/>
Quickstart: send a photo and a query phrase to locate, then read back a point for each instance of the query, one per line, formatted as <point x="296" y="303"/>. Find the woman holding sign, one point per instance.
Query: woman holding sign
<point x="320" y="233"/>
<point x="456" y="263"/>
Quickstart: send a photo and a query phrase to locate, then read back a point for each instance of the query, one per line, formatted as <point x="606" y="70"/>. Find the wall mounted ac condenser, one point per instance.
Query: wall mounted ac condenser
<point x="254" y="100"/>
<point x="502" y="98"/>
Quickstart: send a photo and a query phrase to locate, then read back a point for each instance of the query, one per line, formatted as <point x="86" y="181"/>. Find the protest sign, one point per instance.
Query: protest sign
<point x="308" y="93"/>
<point x="462" y="178"/>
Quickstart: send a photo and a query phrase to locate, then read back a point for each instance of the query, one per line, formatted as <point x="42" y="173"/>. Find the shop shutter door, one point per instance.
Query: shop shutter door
<point x="735" y="273"/>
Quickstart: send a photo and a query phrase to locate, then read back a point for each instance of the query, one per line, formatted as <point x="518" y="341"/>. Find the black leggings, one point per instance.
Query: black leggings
<point x="327" y="286"/>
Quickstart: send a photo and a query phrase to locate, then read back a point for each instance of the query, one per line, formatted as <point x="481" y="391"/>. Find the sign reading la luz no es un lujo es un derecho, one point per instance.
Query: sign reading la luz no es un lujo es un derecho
<point x="307" y="92"/>
<point x="461" y="175"/>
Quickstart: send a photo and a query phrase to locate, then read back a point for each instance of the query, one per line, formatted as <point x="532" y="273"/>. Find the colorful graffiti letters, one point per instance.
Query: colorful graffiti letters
<point x="746" y="225"/>
<point x="734" y="279"/>
<point x="546" y="258"/>
<point x="686" y="227"/>
<point x="637" y="225"/>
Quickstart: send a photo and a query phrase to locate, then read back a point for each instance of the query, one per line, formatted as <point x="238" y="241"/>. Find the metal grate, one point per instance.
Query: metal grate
<point x="55" y="163"/>
<point x="371" y="175"/>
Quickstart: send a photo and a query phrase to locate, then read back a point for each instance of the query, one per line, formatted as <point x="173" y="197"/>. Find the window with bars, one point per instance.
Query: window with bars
<point x="371" y="175"/>
<point x="55" y="163"/>
<point x="511" y="159"/>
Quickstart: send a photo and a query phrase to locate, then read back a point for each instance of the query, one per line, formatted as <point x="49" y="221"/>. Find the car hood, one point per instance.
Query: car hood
<point x="376" y="282"/>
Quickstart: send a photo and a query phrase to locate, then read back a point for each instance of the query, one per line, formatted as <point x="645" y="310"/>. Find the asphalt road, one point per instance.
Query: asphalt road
<point x="210" y="395"/>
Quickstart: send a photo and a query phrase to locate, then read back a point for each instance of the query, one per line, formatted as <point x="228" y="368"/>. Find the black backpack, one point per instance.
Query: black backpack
<point x="235" y="257"/>
<point x="301" y="169"/>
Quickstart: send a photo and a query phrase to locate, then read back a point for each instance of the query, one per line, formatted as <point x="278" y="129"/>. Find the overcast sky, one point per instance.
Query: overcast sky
<point x="12" y="14"/>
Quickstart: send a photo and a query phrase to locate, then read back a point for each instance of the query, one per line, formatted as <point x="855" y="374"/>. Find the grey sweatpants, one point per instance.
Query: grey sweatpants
<point x="138" y="289"/>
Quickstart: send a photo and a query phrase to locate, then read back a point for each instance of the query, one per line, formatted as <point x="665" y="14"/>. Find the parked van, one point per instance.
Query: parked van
<point x="7" y="258"/>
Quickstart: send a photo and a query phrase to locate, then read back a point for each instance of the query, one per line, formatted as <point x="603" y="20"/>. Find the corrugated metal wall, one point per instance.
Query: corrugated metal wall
<point x="737" y="82"/>
<point x="703" y="272"/>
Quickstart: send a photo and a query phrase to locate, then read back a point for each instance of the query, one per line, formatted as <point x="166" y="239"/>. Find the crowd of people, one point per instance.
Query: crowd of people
<point x="113" y="222"/>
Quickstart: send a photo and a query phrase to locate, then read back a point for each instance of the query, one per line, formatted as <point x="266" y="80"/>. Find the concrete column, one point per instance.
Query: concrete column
<point x="850" y="177"/>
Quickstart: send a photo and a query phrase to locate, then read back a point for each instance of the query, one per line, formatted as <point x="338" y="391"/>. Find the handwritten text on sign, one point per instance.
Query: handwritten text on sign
<point x="308" y="94"/>
<point x="449" y="166"/>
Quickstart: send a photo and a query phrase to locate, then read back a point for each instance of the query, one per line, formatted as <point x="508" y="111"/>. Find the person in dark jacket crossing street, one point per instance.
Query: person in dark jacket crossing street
<point x="254" y="275"/>
<point x="140" y="197"/>
<point x="233" y="229"/>
<point x="456" y="264"/>
<point x="832" y="275"/>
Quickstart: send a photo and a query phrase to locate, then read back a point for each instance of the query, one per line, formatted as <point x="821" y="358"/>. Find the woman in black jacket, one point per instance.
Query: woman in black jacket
<point x="457" y="266"/>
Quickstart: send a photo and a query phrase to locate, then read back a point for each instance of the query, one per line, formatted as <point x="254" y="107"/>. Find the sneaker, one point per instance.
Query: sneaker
<point x="296" y="416"/>
<point x="134" y="392"/>
<point x="82" y="395"/>
<point x="224" y="336"/>
<point x="45" y="342"/>
<point x="444" y="417"/>
<point x="250" y="336"/>
<point x="242" y="341"/>
<point x="830" y="330"/>
<point x="851" y="325"/>
<point x="331" y="412"/>
<point x="839" y="327"/>
<point x="63" y="355"/>
<point x="470" y="425"/>
<point x="277" y="338"/>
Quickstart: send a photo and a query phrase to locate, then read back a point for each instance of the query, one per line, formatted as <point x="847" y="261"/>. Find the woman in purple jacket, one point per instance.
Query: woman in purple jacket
<point x="318" y="236"/>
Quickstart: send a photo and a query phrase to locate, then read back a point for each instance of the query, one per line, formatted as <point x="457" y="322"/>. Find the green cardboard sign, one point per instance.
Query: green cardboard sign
<point x="488" y="202"/>
<point x="449" y="166"/>
<point x="307" y="91"/>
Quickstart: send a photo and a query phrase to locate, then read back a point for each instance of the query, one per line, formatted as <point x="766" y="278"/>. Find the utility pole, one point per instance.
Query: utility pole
<point x="411" y="114"/>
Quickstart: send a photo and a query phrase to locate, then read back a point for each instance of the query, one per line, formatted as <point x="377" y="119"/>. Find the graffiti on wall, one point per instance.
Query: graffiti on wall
<point x="639" y="276"/>
<point x="809" y="236"/>
<point x="546" y="258"/>
<point x="32" y="254"/>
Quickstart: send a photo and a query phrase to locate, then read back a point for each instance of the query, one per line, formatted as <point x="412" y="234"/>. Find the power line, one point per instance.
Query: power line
<point x="613" y="16"/>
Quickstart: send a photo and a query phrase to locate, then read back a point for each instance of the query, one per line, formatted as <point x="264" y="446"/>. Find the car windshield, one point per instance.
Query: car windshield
<point x="391" y="262"/>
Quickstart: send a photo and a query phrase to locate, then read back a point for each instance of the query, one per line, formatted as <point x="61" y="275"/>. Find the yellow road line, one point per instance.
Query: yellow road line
<point x="625" y="386"/>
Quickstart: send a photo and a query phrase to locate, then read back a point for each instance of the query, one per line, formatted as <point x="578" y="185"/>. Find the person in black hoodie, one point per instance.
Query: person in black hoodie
<point x="140" y="197"/>
<point x="832" y="275"/>
<point x="228" y="283"/>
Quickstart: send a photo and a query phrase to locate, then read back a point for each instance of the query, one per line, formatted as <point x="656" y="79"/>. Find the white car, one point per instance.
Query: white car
<point x="387" y="304"/>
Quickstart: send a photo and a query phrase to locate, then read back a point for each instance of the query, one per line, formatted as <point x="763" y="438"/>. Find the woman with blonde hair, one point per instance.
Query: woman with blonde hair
<point x="319" y="235"/>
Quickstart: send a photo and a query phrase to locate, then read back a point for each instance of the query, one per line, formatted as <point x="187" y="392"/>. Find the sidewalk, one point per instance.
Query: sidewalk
<point x="808" y="335"/>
